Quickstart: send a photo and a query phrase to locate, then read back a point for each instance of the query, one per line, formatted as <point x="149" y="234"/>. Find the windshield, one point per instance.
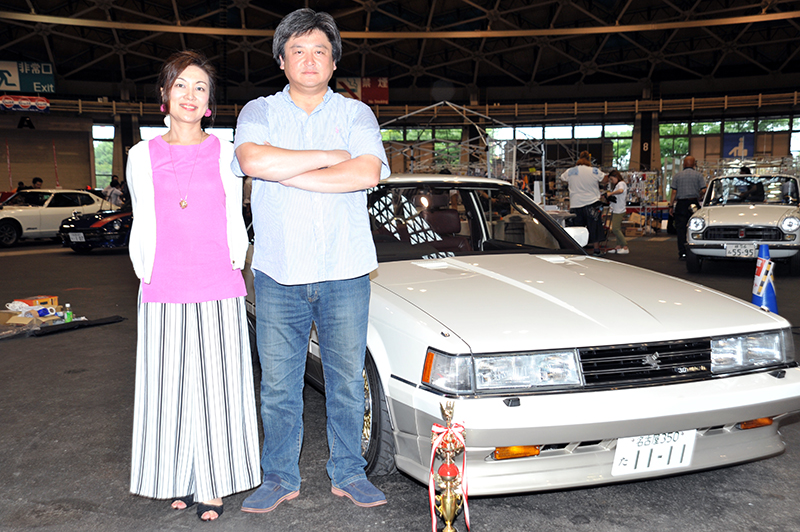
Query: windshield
<point x="36" y="199"/>
<point x="769" y="189"/>
<point x="445" y="220"/>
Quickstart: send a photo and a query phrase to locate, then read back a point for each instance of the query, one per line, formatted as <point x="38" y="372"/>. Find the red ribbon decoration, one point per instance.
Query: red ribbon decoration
<point x="456" y="431"/>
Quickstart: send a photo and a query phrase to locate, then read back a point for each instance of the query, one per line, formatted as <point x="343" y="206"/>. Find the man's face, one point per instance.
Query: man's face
<point x="308" y="61"/>
<point x="37" y="184"/>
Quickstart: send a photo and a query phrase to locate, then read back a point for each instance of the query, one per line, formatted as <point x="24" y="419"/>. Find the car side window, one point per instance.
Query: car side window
<point x="85" y="199"/>
<point x="64" y="200"/>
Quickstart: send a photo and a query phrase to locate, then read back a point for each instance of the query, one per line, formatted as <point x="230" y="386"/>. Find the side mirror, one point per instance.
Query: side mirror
<point x="579" y="235"/>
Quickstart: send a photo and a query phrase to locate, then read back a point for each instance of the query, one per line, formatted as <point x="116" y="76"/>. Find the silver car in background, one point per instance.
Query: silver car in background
<point x="741" y="212"/>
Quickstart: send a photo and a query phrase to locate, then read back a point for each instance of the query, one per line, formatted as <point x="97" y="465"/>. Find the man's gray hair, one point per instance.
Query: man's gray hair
<point x="302" y="22"/>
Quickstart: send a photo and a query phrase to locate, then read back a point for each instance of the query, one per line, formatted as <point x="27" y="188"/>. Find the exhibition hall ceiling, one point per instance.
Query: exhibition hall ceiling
<point x="472" y="51"/>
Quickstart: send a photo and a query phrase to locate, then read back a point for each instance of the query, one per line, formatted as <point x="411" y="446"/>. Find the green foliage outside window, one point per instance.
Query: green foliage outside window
<point x="740" y="126"/>
<point x="103" y="160"/>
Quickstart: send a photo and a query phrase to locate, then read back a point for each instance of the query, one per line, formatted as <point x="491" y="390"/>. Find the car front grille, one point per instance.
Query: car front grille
<point x="642" y="364"/>
<point x="748" y="233"/>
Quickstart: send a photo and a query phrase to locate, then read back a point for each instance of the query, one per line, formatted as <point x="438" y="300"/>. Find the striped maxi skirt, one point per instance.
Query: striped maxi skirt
<point x="194" y="419"/>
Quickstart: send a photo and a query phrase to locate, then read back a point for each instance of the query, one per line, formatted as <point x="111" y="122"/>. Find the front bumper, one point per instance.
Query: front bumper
<point x="96" y="239"/>
<point x="578" y="431"/>
<point x="717" y="249"/>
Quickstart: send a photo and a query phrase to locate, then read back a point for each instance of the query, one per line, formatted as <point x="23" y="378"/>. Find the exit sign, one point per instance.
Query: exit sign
<point x="25" y="76"/>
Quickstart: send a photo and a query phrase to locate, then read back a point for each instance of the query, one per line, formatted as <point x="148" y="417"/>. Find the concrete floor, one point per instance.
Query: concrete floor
<point x="66" y="414"/>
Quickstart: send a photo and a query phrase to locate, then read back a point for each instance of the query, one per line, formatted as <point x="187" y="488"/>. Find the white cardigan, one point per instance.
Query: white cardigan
<point x="142" y="245"/>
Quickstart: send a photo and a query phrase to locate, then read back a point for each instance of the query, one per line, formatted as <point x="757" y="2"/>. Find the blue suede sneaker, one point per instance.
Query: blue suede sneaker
<point x="362" y="493"/>
<point x="268" y="496"/>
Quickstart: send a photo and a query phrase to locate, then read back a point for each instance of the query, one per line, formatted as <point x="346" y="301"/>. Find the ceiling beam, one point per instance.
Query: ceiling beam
<point x="488" y="34"/>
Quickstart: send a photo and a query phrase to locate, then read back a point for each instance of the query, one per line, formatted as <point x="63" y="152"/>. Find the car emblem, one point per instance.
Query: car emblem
<point x="652" y="360"/>
<point x="741" y="233"/>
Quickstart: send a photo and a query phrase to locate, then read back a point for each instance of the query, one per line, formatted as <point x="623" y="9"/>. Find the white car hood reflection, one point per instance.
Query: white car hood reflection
<point x="762" y="215"/>
<point x="501" y="303"/>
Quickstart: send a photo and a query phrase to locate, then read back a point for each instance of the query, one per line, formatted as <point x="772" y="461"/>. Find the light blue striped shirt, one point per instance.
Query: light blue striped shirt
<point x="307" y="237"/>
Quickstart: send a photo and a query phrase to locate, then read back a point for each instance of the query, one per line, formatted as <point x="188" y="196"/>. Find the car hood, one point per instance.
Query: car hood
<point x="500" y="303"/>
<point x="87" y="220"/>
<point x="746" y="214"/>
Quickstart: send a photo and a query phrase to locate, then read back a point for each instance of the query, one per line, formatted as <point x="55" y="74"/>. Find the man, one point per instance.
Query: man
<point x="37" y="182"/>
<point x="584" y="198"/>
<point x="688" y="187"/>
<point x="312" y="154"/>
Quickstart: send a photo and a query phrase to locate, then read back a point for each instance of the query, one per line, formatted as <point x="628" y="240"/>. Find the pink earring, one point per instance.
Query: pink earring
<point x="163" y="109"/>
<point x="207" y="113"/>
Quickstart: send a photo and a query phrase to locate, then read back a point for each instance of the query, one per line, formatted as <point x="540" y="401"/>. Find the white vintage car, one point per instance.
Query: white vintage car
<point x="741" y="212"/>
<point x="566" y="370"/>
<point x="37" y="213"/>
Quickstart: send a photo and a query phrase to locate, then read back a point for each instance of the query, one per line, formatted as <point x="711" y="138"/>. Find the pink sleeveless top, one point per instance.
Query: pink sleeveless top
<point x="192" y="260"/>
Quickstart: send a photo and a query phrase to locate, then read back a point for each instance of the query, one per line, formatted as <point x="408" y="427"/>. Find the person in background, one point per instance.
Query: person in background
<point x="617" y="203"/>
<point x="21" y="186"/>
<point x="584" y="197"/>
<point x="195" y="431"/>
<point x="37" y="182"/>
<point x="312" y="154"/>
<point x="688" y="187"/>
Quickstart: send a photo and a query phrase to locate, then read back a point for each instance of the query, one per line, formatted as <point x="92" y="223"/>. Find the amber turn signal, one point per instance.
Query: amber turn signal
<point x="755" y="423"/>
<point x="517" y="451"/>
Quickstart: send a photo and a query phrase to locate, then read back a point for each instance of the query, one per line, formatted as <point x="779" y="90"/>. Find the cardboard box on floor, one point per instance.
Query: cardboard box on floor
<point x="45" y="301"/>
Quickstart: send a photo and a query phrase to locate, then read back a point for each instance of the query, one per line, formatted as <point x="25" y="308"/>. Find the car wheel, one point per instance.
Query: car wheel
<point x="794" y="265"/>
<point x="377" y="440"/>
<point x="9" y="234"/>
<point x="693" y="263"/>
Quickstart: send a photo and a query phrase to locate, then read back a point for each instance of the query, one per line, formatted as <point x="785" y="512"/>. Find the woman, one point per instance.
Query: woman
<point x="195" y="433"/>
<point x="584" y="197"/>
<point x="617" y="200"/>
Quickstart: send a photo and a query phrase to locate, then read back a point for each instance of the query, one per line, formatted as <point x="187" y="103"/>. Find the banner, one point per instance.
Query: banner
<point x="24" y="103"/>
<point x="371" y="91"/>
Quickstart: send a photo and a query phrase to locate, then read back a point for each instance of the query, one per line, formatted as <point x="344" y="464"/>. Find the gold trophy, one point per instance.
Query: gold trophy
<point x="449" y="443"/>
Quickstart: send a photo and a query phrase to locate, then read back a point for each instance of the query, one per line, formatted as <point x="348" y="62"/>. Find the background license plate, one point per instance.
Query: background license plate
<point x="741" y="250"/>
<point x="76" y="237"/>
<point x="654" y="452"/>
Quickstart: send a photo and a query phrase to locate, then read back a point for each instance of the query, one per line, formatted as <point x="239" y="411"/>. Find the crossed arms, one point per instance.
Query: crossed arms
<point x="312" y="170"/>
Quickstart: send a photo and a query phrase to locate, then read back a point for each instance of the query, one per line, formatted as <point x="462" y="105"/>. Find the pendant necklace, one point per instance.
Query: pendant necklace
<point x="184" y="198"/>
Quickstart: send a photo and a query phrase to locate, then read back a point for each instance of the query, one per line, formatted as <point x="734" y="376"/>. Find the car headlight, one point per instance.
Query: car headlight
<point x="790" y="224"/>
<point x="736" y="353"/>
<point x="527" y="370"/>
<point x="116" y="225"/>
<point x="454" y="374"/>
<point x="697" y="224"/>
<point x="448" y="373"/>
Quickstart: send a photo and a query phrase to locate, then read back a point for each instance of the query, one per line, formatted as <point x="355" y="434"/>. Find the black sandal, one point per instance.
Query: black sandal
<point x="203" y="508"/>
<point x="187" y="500"/>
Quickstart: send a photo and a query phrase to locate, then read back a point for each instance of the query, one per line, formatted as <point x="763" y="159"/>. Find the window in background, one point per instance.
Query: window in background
<point x="558" y="132"/>
<point x="740" y="126"/>
<point x="706" y="128"/>
<point x="103" y="141"/>
<point x="773" y="124"/>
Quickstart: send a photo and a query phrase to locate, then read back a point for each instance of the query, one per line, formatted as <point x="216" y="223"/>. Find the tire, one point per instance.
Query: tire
<point x="377" y="439"/>
<point x="693" y="263"/>
<point x="9" y="233"/>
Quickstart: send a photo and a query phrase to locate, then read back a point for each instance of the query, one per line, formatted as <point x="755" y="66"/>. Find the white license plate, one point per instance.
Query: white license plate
<point x="76" y="237"/>
<point x="746" y="251"/>
<point x="654" y="452"/>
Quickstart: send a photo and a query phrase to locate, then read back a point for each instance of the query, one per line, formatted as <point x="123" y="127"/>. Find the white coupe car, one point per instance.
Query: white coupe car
<point x="741" y="212"/>
<point x="37" y="213"/>
<point x="566" y="370"/>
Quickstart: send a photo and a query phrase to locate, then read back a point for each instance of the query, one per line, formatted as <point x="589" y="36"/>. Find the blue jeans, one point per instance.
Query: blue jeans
<point x="340" y="310"/>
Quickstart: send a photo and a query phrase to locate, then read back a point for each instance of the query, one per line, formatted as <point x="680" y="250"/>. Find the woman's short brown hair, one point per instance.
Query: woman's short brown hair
<point x="174" y="66"/>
